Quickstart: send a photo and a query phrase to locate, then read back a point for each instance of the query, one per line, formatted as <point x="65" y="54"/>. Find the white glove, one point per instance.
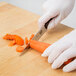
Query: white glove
<point x="61" y="51"/>
<point x="56" y="9"/>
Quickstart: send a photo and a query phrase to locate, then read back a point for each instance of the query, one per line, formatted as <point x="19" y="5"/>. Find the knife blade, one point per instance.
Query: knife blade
<point x="40" y="33"/>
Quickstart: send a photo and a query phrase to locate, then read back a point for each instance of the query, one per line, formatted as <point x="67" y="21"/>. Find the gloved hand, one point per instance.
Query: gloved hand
<point x="56" y="9"/>
<point x="61" y="51"/>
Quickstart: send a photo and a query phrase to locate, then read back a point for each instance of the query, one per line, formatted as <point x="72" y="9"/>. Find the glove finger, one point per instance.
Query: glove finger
<point x="58" y="19"/>
<point x="47" y="16"/>
<point x="70" y="67"/>
<point x="48" y="51"/>
<point x="58" y="50"/>
<point x="54" y="22"/>
<point x="69" y="53"/>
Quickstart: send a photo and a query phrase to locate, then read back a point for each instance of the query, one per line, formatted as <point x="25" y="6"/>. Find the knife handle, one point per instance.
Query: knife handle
<point x="47" y="23"/>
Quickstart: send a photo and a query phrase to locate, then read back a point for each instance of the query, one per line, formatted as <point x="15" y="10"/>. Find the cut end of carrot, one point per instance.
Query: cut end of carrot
<point x="20" y="49"/>
<point x="12" y="43"/>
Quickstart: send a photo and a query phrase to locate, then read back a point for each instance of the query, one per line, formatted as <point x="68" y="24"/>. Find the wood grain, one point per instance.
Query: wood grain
<point x="18" y="21"/>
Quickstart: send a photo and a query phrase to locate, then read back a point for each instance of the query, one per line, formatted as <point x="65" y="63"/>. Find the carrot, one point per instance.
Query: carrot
<point x="39" y="46"/>
<point x="68" y="61"/>
<point x="8" y="37"/>
<point x="20" y="49"/>
<point x="12" y="43"/>
<point x="26" y="40"/>
<point x="18" y="39"/>
<point x="31" y="36"/>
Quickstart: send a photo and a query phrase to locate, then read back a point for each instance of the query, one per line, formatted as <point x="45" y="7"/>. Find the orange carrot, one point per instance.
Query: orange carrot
<point x="12" y="43"/>
<point x="68" y="61"/>
<point x="8" y="37"/>
<point x="31" y="36"/>
<point x="26" y="40"/>
<point x="20" y="49"/>
<point x="39" y="46"/>
<point x="18" y="39"/>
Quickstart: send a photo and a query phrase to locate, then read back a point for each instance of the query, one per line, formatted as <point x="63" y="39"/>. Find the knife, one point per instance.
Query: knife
<point x="38" y="35"/>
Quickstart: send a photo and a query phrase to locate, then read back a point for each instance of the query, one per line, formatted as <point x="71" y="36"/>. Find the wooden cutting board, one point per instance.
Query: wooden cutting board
<point x="15" y="20"/>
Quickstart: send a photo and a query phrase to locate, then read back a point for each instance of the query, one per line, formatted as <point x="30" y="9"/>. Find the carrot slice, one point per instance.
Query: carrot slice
<point x="18" y="39"/>
<point x="26" y="40"/>
<point x="31" y="36"/>
<point x="12" y="43"/>
<point x="20" y="49"/>
<point x="8" y="37"/>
